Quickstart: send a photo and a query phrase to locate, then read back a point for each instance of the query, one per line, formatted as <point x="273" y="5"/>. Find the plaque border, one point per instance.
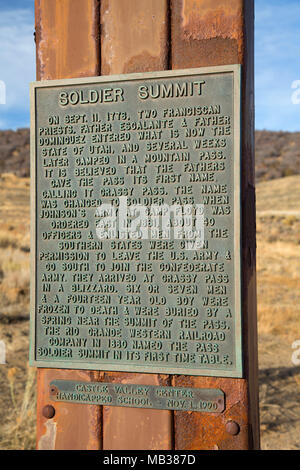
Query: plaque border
<point x="237" y="372"/>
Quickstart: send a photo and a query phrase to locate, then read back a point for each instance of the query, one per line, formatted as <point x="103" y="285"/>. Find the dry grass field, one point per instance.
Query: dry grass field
<point x="278" y="289"/>
<point x="278" y="269"/>
<point x="17" y="388"/>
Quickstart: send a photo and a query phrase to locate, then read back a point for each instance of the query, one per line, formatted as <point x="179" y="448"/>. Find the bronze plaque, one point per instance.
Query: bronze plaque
<point x="207" y="400"/>
<point x="136" y="223"/>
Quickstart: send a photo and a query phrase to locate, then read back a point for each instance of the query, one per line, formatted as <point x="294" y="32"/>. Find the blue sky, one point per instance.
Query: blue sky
<point x="277" y="62"/>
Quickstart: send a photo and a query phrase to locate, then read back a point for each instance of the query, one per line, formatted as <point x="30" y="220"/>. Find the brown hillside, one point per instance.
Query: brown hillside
<point x="14" y="152"/>
<point x="277" y="153"/>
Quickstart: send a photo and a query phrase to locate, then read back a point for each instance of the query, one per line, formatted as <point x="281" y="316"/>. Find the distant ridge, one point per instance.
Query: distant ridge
<point x="277" y="153"/>
<point x="15" y="152"/>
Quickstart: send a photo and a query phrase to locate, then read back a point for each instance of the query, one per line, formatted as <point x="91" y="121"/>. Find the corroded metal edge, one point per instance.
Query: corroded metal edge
<point x="235" y="68"/>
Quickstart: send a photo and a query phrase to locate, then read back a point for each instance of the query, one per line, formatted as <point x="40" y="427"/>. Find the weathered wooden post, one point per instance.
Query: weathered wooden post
<point x="178" y="326"/>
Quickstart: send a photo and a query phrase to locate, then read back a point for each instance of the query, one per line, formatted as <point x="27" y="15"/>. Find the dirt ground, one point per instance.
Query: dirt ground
<point x="278" y="281"/>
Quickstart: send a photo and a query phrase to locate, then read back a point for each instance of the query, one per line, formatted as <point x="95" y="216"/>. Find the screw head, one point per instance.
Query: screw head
<point x="232" y="428"/>
<point x="48" y="411"/>
<point x="53" y="390"/>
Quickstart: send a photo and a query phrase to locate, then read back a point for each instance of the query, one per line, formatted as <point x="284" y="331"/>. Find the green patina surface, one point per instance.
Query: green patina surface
<point x="169" y="139"/>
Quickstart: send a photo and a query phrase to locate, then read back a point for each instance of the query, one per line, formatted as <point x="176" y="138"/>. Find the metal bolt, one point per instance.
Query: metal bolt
<point x="232" y="428"/>
<point x="48" y="411"/>
<point x="53" y="390"/>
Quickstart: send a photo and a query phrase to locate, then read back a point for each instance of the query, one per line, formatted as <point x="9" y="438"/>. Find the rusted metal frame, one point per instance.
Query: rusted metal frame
<point x="241" y="387"/>
<point x="207" y="33"/>
<point x="135" y="38"/>
<point x="66" y="426"/>
<point x="249" y="305"/>
<point x="67" y="45"/>
<point x="67" y="38"/>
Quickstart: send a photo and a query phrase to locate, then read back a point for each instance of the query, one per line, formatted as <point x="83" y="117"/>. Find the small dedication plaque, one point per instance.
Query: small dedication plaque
<point x="136" y="223"/>
<point x="139" y="396"/>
